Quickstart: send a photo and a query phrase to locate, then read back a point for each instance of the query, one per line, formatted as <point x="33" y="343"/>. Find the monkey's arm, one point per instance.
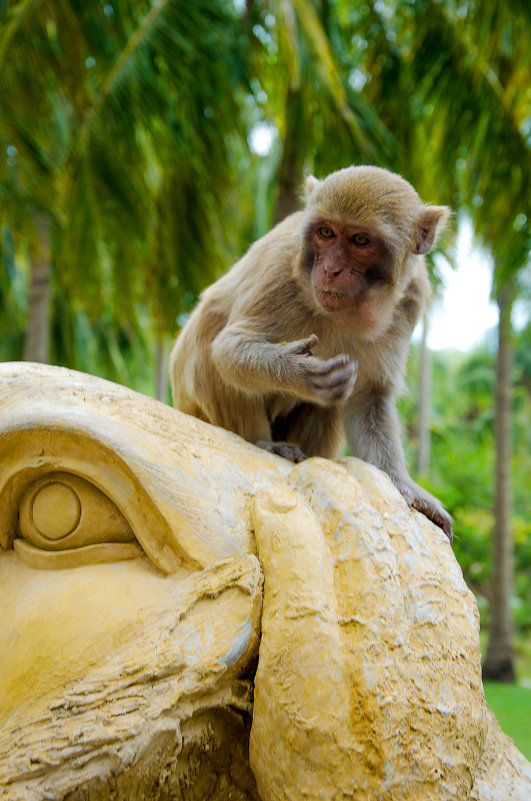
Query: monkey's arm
<point x="373" y="433"/>
<point x="250" y="362"/>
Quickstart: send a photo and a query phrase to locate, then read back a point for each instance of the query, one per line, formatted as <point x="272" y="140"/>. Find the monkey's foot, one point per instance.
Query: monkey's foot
<point x="285" y="449"/>
<point x="422" y="501"/>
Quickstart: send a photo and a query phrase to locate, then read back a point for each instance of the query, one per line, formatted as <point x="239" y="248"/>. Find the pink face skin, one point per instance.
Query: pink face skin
<point x="348" y="275"/>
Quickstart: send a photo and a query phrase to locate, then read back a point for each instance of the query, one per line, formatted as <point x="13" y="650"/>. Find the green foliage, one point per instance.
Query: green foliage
<point x="511" y="706"/>
<point x="470" y="69"/>
<point x="462" y="459"/>
<point x="99" y="346"/>
<point x="117" y="121"/>
<point x="12" y="298"/>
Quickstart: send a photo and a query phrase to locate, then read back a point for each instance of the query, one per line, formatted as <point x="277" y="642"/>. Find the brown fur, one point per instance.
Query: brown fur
<point x="271" y="350"/>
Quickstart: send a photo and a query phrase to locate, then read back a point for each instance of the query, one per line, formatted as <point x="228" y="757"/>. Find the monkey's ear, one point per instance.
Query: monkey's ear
<point x="431" y="222"/>
<point x="311" y="183"/>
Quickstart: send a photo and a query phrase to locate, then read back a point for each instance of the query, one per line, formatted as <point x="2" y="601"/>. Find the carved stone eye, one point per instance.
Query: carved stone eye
<point x="65" y="521"/>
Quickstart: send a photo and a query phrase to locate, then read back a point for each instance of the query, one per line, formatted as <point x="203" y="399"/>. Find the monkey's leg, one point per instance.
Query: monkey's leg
<point x="307" y="430"/>
<point x="284" y="449"/>
<point x="236" y="411"/>
<point x="373" y="433"/>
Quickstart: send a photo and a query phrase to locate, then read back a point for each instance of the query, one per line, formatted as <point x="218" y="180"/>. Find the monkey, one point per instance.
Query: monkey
<point x="305" y="339"/>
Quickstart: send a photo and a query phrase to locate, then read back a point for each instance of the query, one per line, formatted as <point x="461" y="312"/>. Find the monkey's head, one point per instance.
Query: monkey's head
<point x="361" y="228"/>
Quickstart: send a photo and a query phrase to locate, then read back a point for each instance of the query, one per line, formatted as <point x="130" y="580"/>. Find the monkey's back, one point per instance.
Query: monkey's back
<point x="262" y="274"/>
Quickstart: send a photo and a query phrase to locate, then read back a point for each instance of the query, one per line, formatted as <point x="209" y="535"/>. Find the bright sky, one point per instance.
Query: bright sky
<point x="464" y="312"/>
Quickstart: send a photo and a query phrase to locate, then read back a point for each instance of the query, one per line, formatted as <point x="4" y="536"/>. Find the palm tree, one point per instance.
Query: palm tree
<point x="36" y="347"/>
<point x="323" y="123"/>
<point x="87" y="94"/>
<point x="498" y="662"/>
<point x="471" y="76"/>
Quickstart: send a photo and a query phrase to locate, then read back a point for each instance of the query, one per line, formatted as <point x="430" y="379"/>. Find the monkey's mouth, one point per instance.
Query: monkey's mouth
<point x="332" y="300"/>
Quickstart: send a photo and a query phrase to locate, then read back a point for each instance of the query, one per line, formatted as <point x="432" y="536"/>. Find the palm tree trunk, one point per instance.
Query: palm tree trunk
<point x="161" y="369"/>
<point x="499" y="664"/>
<point x="290" y="172"/>
<point x="423" y="432"/>
<point x="37" y="344"/>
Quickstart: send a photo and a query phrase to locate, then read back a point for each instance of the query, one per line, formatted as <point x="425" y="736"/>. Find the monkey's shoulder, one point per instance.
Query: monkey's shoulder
<point x="260" y="283"/>
<point x="418" y="289"/>
<point x="274" y="253"/>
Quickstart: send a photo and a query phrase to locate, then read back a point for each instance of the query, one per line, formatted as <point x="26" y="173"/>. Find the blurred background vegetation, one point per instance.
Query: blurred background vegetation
<point x="145" y="144"/>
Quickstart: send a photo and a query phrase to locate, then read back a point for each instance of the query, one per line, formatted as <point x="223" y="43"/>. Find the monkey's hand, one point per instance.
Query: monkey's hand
<point x="421" y="500"/>
<point x="322" y="382"/>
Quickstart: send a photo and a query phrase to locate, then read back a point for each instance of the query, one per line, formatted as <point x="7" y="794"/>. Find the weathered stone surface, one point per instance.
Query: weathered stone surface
<point x="132" y="618"/>
<point x="184" y="487"/>
<point x="503" y="773"/>
<point x="369" y="649"/>
<point x="103" y="664"/>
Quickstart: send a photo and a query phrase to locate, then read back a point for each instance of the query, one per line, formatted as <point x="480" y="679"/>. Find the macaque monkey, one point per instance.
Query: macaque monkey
<point x="306" y="338"/>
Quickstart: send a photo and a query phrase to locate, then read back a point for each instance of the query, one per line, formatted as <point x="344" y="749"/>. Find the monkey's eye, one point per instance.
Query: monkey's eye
<point x="326" y="232"/>
<point x="360" y="239"/>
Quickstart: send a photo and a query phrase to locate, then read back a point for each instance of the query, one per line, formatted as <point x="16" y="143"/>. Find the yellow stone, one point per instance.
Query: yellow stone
<point x="149" y="561"/>
<point x="46" y="502"/>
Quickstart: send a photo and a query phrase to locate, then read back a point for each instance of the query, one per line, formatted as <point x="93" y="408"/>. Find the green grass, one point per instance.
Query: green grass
<point x="523" y="658"/>
<point x="511" y="705"/>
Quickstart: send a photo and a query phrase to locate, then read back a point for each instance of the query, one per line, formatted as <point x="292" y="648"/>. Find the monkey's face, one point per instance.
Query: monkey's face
<point x="351" y="278"/>
<point x="361" y="228"/>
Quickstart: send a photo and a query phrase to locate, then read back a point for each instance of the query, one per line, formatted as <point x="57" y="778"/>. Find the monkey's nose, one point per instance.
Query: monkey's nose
<point x="333" y="270"/>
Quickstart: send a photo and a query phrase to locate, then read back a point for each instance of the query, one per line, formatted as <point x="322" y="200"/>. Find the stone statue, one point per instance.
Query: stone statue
<point x="188" y="617"/>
